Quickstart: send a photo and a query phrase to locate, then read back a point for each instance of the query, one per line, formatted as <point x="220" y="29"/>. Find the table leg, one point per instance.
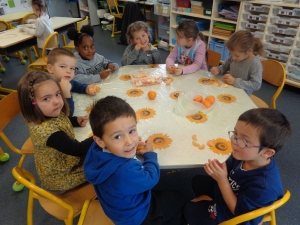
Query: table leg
<point x="29" y="55"/>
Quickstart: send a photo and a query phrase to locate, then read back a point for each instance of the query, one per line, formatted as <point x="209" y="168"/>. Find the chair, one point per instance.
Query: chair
<point x="275" y="74"/>
<point x="114" y="4"/>
<point x="93" y="214"/>
<point x="268" y="212"/>
<point x="213" y="58"/>
<point x="64" y="206"/>
<point x="79" y="24"/>
<point x="41" y="63"/>
<point x="9" y="109"/>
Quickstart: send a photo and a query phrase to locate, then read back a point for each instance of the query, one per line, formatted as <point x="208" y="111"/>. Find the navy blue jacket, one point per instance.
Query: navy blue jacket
<point x="76" y="88"/>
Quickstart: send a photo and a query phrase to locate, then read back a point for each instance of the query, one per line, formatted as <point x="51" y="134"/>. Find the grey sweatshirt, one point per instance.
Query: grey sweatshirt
<point x="248" y="73"/>
<point x="141" y="57"/>
<point x="87" y="71"/>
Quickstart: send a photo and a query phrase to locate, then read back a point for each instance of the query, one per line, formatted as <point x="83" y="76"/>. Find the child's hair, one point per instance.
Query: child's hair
<point x="242" y="41"/>
<point x="189" y="29"/>
<point x="273" y="127"/>
<point x="41" y="4"/>
<point x="73" y="34"/>
<point x="107" y="110"/>
<point x="56" y="52"/>
<point x="26" y="87"/>
<point x="137" y="26"/>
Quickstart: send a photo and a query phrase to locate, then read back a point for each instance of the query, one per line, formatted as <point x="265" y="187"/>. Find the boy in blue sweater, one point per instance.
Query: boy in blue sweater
<point x="123" y="184"/>
<point x="249" y="178"/>
<point x="61" y="64"/>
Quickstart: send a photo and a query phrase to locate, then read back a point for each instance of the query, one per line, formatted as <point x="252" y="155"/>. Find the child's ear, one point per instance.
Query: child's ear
<point x="49" y="68"/>
<point x="99" y="141"/>
<point x="268" y="153"/>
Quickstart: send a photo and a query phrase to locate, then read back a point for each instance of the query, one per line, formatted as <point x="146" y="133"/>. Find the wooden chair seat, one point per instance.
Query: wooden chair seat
<point x="27" y="147"/>
<point x="70" y="45"/>
<point x="93" y="214"/>
<point x="75" y="197"/>
<point x="259" y="102"/>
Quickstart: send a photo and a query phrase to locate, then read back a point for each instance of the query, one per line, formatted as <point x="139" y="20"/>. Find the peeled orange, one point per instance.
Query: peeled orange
<point x="206" y="103"/>
<point x="198" y="98"/>
<point x="211" y="98"/>
<point x="151" y="95"/>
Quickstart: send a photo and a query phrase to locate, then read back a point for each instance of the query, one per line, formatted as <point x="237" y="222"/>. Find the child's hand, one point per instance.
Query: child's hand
<point x="214" y="71"/>
<point x="178" y="71"/>
<point x="65" y="87"/>
<point x="171" y="69"/>
<point x="228" y="79"/>
<point x="216" y="170"/>
<point x="91" y="89"/>
<point x="147" y="147"/>
<point x="82" y="120"/>
<point x="30" y="21"/>
<point x="111" y="66"/>
<point x="104" y="74"/>
<point x="138" y="46"/>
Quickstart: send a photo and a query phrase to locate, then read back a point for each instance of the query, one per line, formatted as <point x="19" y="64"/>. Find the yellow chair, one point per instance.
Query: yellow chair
<point x="9" y="109"/>
<point x="79" y="24"/>
<point x="275" y="74"/>
<point x="268" y="212"/>
<point x="41" y="63"/>
<point x="64" y="206"/>
<point x="213" y="58"/>
<point x="93" y="214"/>
<point x="114" y="4"/>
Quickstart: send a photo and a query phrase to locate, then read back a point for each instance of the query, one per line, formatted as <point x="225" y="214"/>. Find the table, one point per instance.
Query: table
<point x="180" y="142"/>
<point x="16" y="16"/>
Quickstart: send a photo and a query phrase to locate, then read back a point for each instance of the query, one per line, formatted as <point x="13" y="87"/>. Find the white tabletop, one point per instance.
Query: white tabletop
<point x="13" y="16"/>
<point x="14" y="36"/>
<point x="180" y="139"/>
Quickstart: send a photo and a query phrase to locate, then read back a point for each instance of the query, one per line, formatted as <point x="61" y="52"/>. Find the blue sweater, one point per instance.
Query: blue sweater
<point x="254" y="189"/>
<point x="76" y="88"/>
<point x="123" y="186"/>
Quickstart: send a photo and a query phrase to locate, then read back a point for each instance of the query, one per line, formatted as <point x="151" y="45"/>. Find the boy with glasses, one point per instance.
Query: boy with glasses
<point x="249" y="178"/>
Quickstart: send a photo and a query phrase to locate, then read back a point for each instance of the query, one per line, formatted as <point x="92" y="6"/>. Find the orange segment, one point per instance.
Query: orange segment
<point x="198" y="98"/>
<point x="206" y="103"/>
<point x="211" y="98"/>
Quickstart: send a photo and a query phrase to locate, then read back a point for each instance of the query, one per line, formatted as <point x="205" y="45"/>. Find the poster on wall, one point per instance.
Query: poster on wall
<point x="11" y="3"/>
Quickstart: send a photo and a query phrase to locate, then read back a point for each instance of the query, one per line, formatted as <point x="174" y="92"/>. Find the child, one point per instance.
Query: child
<point x="189" y="50"/>
<point x="62" y="65"/>
<point x="42" y="26"/>
<point x="58" y="155"/>
<point x="91" y="67"/>
<point x="140" y="51"/>
<point x="244" y="66"/>
<point x="249" y="179"/>
<point x="123" y="184"/>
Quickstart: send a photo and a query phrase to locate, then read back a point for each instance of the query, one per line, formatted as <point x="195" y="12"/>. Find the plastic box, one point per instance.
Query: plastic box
<point x="250" y="16"/>
<point x="163" y="21"/>
<point x="183" y="3"/>
<point x="277" y="56"/>
<point x="282" y="40"/>
<point x="163" y="33"/>
<point x="279" y="30"/>
<point x="258" y="34"/>
<point x="277" y="10"/>
<point x="146" y="77"/>
<point x="220" y="48"/>
<point x="203" y="25"/>
<point x="285" y="21"/>
<point x="255" y="26"/>
<point x="278" y="48"/>
<point x="257" y="8"/>
<point x="295" y="60"/>
<point x="162" y="9"/>
<point x="294" y="77"/>
<point x="296" y="52"/>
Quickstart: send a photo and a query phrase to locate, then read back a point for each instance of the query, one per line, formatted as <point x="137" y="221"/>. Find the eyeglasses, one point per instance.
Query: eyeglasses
<point x="241" y="142"/>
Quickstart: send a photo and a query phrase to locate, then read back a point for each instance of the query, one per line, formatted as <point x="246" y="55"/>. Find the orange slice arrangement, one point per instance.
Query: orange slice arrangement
<point x="196" y="144"/>
<point x="145" y="113"/>
<point x="160" y="141"/>
<point x="168" y="80"/>
<point x="226" y="98"/>
<point x="220" y="146"/>
<point x="207" y="102"/>
<point x="134" y="92"/>
<point x="200" y="117"/>
<point x="125" y="77"/>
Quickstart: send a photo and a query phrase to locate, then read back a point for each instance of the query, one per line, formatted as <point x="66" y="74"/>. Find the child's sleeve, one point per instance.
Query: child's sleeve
<point x="105" y="63"/>
<point x="255" y="80"/>
<point x="225" y="66"/>
<point x="78" y="87"/>
<point x="84" y="78"/>
<point x="156" y="57"/>
<point x="129" y="55"/>
<point x="200" y="58"/>
<point x="171" y="59"/>
<point x="39" y="28"/>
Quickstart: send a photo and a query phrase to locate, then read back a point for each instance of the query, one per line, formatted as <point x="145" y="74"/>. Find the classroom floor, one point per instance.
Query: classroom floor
<point x="13" y="205"/>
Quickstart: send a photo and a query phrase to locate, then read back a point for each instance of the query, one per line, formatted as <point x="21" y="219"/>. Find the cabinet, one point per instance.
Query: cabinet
<point x="276" y="24"/>
<point x="89" y="8"/>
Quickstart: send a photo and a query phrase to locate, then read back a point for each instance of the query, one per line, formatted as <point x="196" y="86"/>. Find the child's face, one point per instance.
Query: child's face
<point x="120" y="137"/>
<point x="251" y="136"/>
<point x="240" y="56"/>
<point x="64" y="67"/>
<point x="183" y="41"/>
<point x="140" y="37"/>
<point x="86" y="49"/>
<point x="48" y="98"/>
